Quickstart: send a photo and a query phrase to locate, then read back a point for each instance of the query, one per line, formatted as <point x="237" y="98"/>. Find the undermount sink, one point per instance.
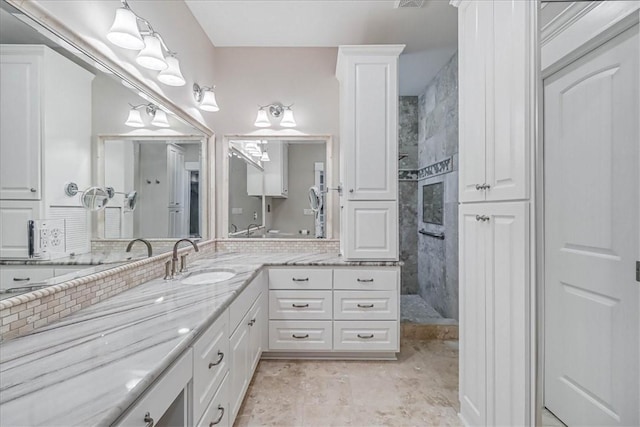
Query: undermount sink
<point x="208" y="277"/>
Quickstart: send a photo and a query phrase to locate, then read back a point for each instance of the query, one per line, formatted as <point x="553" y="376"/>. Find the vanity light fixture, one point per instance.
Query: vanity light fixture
<point x="158" y="116"/>
<point x="205" y="98"/>
<point x="154" y="54"/>
<point x="276" y="111"/>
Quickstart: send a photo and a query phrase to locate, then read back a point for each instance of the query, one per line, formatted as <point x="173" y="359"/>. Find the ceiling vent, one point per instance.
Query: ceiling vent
<point x="408" y="3"/>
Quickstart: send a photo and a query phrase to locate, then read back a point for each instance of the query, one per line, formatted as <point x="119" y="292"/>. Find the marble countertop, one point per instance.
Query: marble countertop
<point x="89" y="367"/>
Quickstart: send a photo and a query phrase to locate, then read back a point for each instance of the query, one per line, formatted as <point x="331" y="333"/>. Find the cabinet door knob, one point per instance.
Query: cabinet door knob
<point x="33" y="190"/>
<point x="221" y="409"/>
<point x="147" y="419"/>
<point x="217" y="362"/>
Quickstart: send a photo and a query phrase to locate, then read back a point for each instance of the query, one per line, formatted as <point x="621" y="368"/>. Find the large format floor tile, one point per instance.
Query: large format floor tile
<point x="419" y="389"/>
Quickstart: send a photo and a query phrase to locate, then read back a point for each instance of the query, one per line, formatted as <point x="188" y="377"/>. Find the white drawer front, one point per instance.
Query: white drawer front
<point x="217" y="413"/>
<point x="366" y="336"/>
<point x="363" y="305"/>
<point x="300" y="335"/>
<point x="300" y="278"/>
<point x="303" y="305"/>
<point x="210" y="363"/>
<point x="366" y="279"/>
<point x="12" y="277"/>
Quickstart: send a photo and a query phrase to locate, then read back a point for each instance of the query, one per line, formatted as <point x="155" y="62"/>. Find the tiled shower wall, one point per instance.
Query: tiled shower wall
<point x="437" y="141"/>
<point x="408" y="192"/>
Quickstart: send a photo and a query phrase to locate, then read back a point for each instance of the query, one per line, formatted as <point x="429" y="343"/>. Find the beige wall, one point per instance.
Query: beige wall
<point x="247" y="77"/>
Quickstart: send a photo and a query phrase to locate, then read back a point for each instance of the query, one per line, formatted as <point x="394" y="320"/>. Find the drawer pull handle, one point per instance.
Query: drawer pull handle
<point x="365" y="305"/>
<point x="300" y="337"/>
<point x="33" y="190"/>
<point x="252" y="322"/>
<point x="217" y="362"/>
<point x="21" y="279"/>
<point x="221" y="409"/>
<point x="306" y="279"/>
<point x="365" y="337"/>
<point x="300" y="305"/>
<point x="365" y="280"/>
<point x="147" y="419"/>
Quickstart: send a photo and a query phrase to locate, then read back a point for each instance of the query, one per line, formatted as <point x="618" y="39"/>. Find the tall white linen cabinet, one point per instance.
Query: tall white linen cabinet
<point x="368" y="78"/>
<point x="496" y="42"/>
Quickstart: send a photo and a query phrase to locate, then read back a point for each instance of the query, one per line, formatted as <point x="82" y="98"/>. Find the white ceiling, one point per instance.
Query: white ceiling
<point x="430" y="32"/>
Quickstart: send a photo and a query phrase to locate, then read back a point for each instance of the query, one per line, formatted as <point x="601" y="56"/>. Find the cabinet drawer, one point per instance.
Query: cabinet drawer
<point x="306" y="305"/>
<point x="365" y="305"/>
<point x="210" y="363"/>
<point x="299" y="335"/>
<point x="300" y="278"/>
<point x="241" y="305"/>
<point x="366" y="336"/>
<point x="217" y="413"/>
<point x="159" y="397"/>
<point x="11" y="277"/>
<point x="367" y="279"/>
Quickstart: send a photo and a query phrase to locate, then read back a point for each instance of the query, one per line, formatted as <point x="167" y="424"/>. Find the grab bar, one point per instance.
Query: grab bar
<point x="430" y="234"/>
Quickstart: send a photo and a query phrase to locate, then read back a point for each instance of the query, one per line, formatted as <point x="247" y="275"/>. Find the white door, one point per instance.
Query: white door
<point x="592" y="235"/>
<point x="372" y="230"/>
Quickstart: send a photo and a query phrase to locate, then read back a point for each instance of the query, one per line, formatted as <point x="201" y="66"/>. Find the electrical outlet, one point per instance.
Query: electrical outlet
<point x="255" y="215"/>
<point x="308" y="211"/>
<point x="236" y="211"/>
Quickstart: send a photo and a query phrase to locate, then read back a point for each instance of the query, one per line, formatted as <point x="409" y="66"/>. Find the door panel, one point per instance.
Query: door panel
<point x="591" y="237"/>
<point x="373" y="230"/>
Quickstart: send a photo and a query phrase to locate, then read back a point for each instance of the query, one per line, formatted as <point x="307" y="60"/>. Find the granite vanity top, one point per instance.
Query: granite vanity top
<point x="89" y="367"/>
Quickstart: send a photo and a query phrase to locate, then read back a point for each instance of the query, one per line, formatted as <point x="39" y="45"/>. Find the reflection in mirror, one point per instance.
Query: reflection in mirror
<point x="245" y="196"/>
<point x="56" y="103"/>
<point x="163" y="174"/>
<point x="278" y="174"/>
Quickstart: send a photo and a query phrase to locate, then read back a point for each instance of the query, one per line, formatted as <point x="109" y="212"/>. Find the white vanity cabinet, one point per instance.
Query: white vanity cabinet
<point x="38" y="138"/>
<point x="275" y="176"/>
<point x="324" y="311"/>
<point x="368" y="78"/>
<point x="248" y="320"/>
<point x="494" y="158"/>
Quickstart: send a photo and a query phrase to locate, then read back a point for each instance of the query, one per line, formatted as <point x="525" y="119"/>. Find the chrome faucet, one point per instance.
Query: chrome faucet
<point x="171" y="266"/>
<point x="249" y="228"/>
<point x="146" y="242"/>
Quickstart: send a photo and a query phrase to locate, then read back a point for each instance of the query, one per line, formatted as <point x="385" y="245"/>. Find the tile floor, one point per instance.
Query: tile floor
<point x="419" y="389"/>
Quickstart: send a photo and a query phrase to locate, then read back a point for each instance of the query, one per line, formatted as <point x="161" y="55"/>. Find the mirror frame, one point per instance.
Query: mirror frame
<point x="207" y="164"/>
<point x="328" y="141"/>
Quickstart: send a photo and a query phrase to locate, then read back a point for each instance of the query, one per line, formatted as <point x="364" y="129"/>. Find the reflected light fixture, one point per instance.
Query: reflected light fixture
<point x="158" y="116"/>
<point x="205" y="98"/>
<point x="276" y="111"/>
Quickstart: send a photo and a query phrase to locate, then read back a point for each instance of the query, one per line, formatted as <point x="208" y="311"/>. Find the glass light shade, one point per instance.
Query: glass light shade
<point x="265" y="157"/>
<point x="262" y="120"/>
<point x="124" y="32"/>
<point x="287" y="119"/>
<point x="208" y="102"/>
<point x="151" y="56"/>
<point x="135" y="119"/>
<point x="160" y="119"/>
<point x="171" y="75"/>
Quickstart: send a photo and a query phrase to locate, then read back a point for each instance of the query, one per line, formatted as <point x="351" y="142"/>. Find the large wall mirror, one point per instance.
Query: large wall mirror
<point x="277" y="187"/>
<point x="88" y="161"/>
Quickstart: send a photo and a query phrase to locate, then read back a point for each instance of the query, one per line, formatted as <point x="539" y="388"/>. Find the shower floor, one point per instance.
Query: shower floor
<point x="413" y="309"/>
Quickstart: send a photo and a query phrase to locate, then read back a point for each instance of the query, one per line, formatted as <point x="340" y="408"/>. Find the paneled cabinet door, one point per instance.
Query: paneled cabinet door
<point x="257" y="330"/>
<point x="494" y="287"/>
<point x="239" y="369"/>
<point x="14" y="219"/>
<point x="493" y="40"/>
<point x="20" y="124"/>
<point x="372" y="230"/>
